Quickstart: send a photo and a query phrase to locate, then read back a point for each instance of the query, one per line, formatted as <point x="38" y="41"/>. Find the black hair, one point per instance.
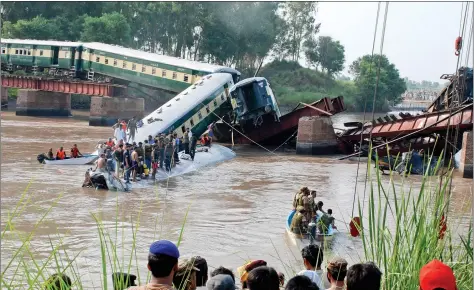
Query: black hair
<point x="364" y="277"/>
<point x="263" y="278"/>
<point x="337" y="274"/>
<point x="161" y="265"/>
<point x="201" y="275"/>
<point x="222" y="270"/>
<point x="58" y="282"/>
<point x="329" y="211"/>
<point x="301" y="282"/>
<point x="313" y="254"/>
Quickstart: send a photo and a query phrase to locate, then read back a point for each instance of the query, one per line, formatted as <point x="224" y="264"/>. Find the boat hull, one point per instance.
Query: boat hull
<point x="86" y="159"/>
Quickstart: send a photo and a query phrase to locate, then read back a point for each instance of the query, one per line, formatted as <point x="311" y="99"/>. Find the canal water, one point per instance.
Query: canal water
<point x="234" y="211"/>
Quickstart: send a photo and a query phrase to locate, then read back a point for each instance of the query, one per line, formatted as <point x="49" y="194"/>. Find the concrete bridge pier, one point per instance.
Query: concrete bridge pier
<point x="43" y="103"/>
<point x="4" y="93"/>
<point x="316" y="136"/>
<point x="465" y="165"/>
<point x="105" y="111"/>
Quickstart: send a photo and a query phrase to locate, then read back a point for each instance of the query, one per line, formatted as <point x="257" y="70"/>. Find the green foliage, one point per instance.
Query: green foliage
<point x="325" y="53"/>
<point x="293" y="83"/>
<point x="390" y="86"/>
<point x="400" y="231"/>
<point x="36" y="28"/>
<point x="110" y="28"/>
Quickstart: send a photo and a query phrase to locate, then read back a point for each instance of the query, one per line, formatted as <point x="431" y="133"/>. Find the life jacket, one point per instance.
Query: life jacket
<point x="110" y="143"/>
<point x="61" y="154"/>
<point x="74" y="152"/>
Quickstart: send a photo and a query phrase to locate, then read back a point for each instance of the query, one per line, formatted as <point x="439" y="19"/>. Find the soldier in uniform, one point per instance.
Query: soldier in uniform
<point x="298" y="221"/>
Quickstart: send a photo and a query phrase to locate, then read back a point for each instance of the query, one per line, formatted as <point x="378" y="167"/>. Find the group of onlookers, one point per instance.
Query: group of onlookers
<point x="168" y="272"/>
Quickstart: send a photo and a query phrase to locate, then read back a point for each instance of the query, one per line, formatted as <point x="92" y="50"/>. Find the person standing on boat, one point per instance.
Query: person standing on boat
<point x="50" y="154"/>
<point x="118" y="156"/>
<point x="101" y="163"/>
<point x="135" y="161"/>
<point x="147" y="153"/>
<point x="75" y="152"/>
<point x="298" y="221"/>
<point x="127" y="162"/>
<point x="61" y="154"/>
<point x="186" y="141"/>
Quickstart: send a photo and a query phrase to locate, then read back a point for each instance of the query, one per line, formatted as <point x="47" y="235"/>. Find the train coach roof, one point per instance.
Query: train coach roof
<point x="169" y="60"/>
<point x="41" y="42"/>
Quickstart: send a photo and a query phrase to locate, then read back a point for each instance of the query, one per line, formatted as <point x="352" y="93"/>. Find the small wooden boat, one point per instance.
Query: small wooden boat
<point x="303" y="240"/>
<point x="83" y="160"/>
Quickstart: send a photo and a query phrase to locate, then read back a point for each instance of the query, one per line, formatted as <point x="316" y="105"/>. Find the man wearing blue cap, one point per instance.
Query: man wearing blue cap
<point x="163" y="264"/>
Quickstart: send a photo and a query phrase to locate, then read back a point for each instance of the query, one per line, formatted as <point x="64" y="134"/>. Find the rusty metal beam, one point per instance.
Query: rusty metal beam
<point x="61" y="86"/>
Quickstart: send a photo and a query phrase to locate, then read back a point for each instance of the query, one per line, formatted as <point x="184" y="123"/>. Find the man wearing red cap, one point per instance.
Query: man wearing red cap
<point x="436" y="275"/>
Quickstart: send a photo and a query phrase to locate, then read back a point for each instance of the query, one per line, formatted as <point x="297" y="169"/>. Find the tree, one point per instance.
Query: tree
<point x="300" y="21"/>
<point x="36" y="28"/>
<point x="390" y="86"/>
<point x="110" y="28"/>
<point x="329" y="55"/>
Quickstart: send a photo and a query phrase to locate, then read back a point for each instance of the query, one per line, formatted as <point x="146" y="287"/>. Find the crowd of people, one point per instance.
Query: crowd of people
<point x="169" y="272"/>
<point x="133" y="161"/>
<point x="309" y="213"/>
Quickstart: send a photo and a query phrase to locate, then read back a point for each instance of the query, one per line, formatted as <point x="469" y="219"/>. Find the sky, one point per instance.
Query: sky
<point x="419" y="36"/>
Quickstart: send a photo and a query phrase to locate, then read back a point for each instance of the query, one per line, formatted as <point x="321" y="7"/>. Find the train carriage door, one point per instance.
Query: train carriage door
<point x="73" y="56"/>
<point x="55" y="50"/>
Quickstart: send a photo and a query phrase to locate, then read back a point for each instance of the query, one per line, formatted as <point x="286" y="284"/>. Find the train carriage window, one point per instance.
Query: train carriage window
<point x="134" y="66"/>
<point x="185" y="78"/>
<point x="143" y="68"/>
<point x="66" y="54"/>
<point x="183" y="128"/>
<point x="207" y="110"/>
<point x="163" y="73"/>
<point x="191" y="122"/>
<point x="215" y="103"/>
<point x="115" y="62"/>
<point x="97" y="59"/>
<point x="106" y="61"/>
<point x="153" y="71"/>
<point x="222" y="97"/>
<point x="29" y="51"/>
<point x="124" y="65"/>
<point x="41" y="52"/>
<point x="175" y="75"/>
<point x="3" y="49"/>
<point x="200" y="115"/>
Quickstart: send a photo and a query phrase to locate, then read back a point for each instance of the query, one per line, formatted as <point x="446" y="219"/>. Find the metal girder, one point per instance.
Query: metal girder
<point x="60" y="86"/>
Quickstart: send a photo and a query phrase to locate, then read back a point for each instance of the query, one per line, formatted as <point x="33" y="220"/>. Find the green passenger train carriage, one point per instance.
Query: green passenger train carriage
<point x="40" y="54"/>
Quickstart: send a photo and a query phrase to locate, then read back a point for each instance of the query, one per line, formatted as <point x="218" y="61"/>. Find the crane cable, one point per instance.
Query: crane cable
<point x="365" y="107"/>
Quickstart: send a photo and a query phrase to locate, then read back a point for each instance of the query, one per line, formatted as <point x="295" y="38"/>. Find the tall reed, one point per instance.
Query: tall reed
<point x="415" y="220"/>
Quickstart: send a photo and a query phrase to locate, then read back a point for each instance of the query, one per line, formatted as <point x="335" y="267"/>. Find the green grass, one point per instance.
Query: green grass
<point x="413" y="218"/>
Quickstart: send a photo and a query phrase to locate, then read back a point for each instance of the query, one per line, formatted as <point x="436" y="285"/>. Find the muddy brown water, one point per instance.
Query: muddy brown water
<point x="237" y="209"/>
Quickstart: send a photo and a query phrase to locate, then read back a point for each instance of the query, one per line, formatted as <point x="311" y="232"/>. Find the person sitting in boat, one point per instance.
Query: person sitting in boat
<point x="50" y="154"/>
<point x="75" y="152"/>
<point x="60" y="154"/>
<point x="298" y="222"/>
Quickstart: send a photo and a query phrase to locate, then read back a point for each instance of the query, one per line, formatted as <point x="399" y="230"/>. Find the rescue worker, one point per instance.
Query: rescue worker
<point x="168" y="151"/>
<point x="155" y="154"/>
<point x="132" y="128"/>
<point x="192" y="149"/>
<point x="161" y="148"/>
<point x="127" y="162"/>
<point x="298" y="221"/>
<point x="60" y="154"/>
<point x="75" y="152"/>
<point x="147" y="153"/>
<point x="176" y="144"/>
<point x="186" y="141"/>
<point x="298" y="198"/>
<point x="50" y="154"/>
<point x="118" y="156"/>
<point x="110" y="143"/>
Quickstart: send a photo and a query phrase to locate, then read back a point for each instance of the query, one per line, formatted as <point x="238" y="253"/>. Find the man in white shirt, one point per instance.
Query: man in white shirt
<point x="312" y="259"/>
